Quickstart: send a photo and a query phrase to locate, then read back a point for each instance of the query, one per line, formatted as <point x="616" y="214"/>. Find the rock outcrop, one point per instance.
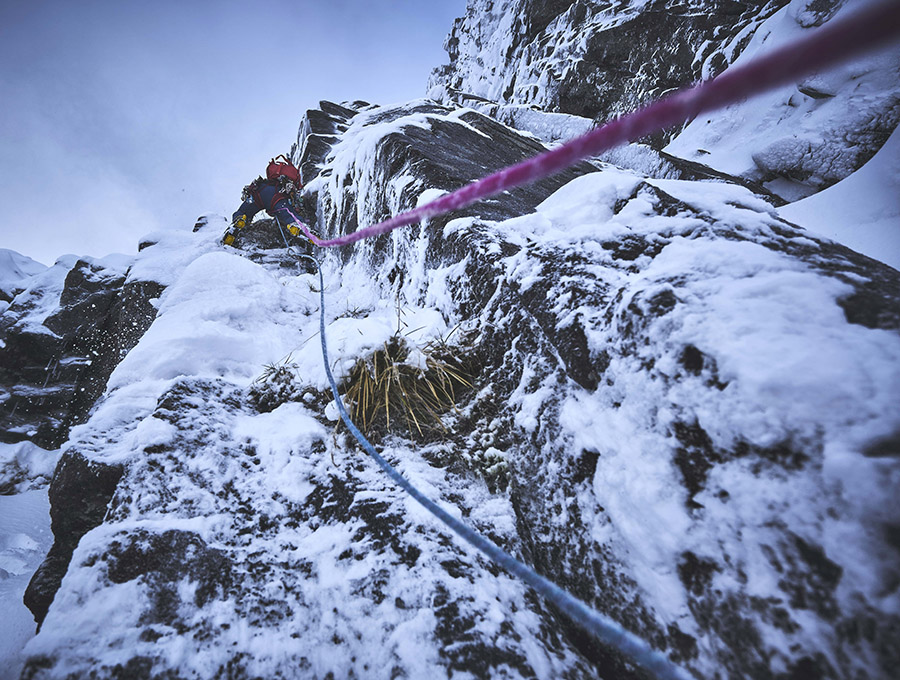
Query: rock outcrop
<point x="680" y="413"/>
<point x="603" y="318"/>
<point x="591" y="59"/>
<point x="61" y="337"/>
<point x="532" y="61"/>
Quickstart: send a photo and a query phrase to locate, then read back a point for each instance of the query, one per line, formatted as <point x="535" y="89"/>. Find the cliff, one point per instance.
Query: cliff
<point x="678" y="405"/>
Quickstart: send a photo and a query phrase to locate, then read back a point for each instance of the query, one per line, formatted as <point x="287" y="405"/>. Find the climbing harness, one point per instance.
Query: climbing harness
<point x="828" y="45"/>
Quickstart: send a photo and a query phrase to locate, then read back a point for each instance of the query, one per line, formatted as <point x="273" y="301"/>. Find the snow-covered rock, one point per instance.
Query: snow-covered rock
<point x="589" y="58"/>
<point x="683" y="411"/>
<point x="24" y="466"/>
<point x="598" y="60"/>
<point x="668" y="361"/>
<point x="809" y="135"/>
<point x="15" y="270"/>
<point x="61" y="337"/>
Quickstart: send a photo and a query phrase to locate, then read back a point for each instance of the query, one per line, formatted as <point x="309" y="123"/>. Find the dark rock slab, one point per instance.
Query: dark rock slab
<point x="55" y="368"/>
<point x="80" y="493"/>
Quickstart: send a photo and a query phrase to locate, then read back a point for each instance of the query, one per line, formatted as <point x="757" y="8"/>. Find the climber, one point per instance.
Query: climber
<point x="272" y="194"/>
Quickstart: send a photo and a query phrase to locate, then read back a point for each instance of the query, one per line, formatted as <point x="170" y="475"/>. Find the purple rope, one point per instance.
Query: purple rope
<point x="833" y="43"/>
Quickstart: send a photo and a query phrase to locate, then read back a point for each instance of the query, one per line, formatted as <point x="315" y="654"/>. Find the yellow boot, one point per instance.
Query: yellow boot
<point x="228" y="239"/>
<point x="241" y="222"/>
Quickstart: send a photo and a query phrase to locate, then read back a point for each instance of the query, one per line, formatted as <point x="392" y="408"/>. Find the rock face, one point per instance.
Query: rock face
<point x="807" y="136"/>
<point x="607" y="318"/>
<point x="61" y="338"/>
<point x="683" y="412"/>
<point x="591" y="59"/>
<point x="597" y="60"/>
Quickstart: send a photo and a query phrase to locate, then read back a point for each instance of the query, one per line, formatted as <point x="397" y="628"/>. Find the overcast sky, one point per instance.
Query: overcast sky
<point x="119" y="118"/>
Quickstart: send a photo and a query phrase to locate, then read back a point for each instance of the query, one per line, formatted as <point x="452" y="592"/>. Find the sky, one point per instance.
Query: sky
<point x="121" y="118"/>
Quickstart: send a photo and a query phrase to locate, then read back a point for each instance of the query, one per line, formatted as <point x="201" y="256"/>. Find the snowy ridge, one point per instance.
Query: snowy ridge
<point x="15" y="270"/>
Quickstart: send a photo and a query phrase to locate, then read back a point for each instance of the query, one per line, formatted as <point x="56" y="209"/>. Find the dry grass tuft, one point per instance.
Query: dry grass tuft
<point x="389" y="391"/>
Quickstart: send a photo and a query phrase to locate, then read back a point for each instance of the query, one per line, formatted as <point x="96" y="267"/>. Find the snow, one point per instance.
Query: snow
<point x="810" y="141"/>
<point x="25" y="466"/>
<point x="15" y="269"/>
<point x="861" y="211"/>
<point x="220" y="316"/>
<point x="788" y="368"/>
<point x="172" y="250"/>
<point x="41" y="294"/>
<point x="221" y="320"/>
<point x="25" y="538"/>
<point x="792" y="370"/>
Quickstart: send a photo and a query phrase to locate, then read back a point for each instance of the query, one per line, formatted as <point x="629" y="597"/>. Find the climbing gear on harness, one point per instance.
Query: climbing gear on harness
<point x="294" y="229"/>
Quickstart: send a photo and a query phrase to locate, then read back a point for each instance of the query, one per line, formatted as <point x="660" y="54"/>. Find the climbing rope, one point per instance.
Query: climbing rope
<point x="828" y="45"/>
<point x="602" y="627"/>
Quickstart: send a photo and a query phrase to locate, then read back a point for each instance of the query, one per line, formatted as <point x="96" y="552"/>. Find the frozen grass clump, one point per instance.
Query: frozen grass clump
<point x="406" y="389"/>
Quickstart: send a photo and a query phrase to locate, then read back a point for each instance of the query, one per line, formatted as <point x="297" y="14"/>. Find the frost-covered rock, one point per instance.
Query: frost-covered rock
<point x="597" y="60"/>
<point x="684" y="413"/>
<point x="215" y="539"/>
<point x="809" y="135"/>
<point x="683" y="388"/>
<point x="589" y="58"/>
<point x="59" y="339"/>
